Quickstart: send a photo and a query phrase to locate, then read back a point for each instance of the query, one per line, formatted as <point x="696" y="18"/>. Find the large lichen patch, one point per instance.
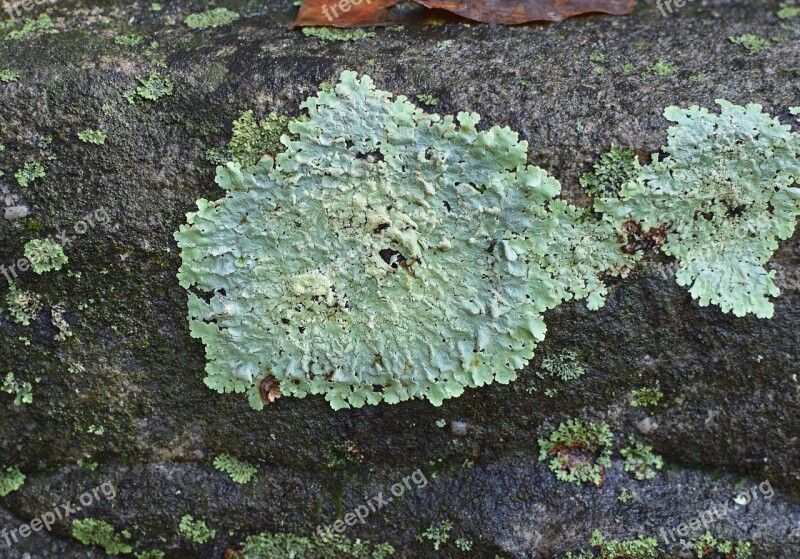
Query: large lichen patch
<point x="387" y="254"/>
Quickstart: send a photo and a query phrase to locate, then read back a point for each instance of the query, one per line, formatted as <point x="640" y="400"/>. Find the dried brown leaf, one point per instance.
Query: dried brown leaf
<point x="357" y="14"/>
<point x="511" y="12"/>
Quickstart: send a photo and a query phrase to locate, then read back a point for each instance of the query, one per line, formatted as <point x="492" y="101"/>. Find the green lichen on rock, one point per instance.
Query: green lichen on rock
<point x="11" y="479"/>
<point x="578" y="452"/>
<point x="128" y="40"/>
<point x="29" y="26"/>
<point x="240" y="471"/>
<point x="101" y="534"/>
<point x="645" y="397"/>
<point x="615" y="168"/>
<point x="8" y="76"/>
<point x="252" y="139"/>
<point x="333" y="546"/>
<point x="45" y="255"/>
<point x="662" y="69"/>
<point x="211" y="18"/>
<point x="787" y="11"/>
<point x="707" y="545"/>
<point x="564" y="365"/>
<point x="29" y="172"/>
<point x="150" y="554"/>
<point x="195" y="531"/>
<point x="726" y="193"/>
<point x="388" y="254"/>
<point x="22" y="305"/>
<point x="97" y="137"/>
<point x="21" y="390"/>
<point x="640" y="460"/>
<point x="331" y="34"/>
<point x="152" y="87"/>
<point x="752" y="43"/>
<point x="640" y="548"/>
<point x="437" y="533"/>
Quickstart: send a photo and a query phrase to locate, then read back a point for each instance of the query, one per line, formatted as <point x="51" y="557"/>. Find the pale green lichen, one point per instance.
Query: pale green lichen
<point x="22" y="305"/>
<point x="150" y="554"/>
<point x="97" y="137"/>
<point x="438" y="534"/>
<point x="29" y="172"/>
<point x="330" y="34"/>
<point x="332" y="546"/>
<point x="661" y="69"/>
<point x="211" y="18"/>
<point x="578" y="452"/>
<point x="101" y="534"/>
<point x="45" y="255"/>
<point x="195" y="531"/>
<point x="388" y="254"/>
<point x="11" y="479"/>
<point x="22" y="390"/>
<point x="640" y="460"/>
<point x="8" y="76"/>
<point x="752" y="43"/>
<point x="128" y="40"/>
<point x="252" y="139"/>
<point x="240" y="471"/>
<point x="788" y="11"/>
<point x="153" y="87"/>
<point x="564" y="365"/>
<point x="645" y="397"/>
<point x="615" y="168"/>
<point x="429" y="100"/>
<point x="707" y="544"/>
<point x="725" y="194"/>
<point x="640" y="548"/>
<point x="30" y="26"/>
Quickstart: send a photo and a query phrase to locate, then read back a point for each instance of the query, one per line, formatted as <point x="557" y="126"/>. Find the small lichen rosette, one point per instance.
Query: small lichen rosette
<point x="388" y="254"/>
<point x="728" y="189"/>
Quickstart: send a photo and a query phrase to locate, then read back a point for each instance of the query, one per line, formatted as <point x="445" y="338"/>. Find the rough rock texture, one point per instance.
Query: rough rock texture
<point x="729" y="415"/>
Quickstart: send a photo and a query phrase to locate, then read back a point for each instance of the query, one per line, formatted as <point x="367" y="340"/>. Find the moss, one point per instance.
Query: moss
<point x="45" y="255"/>
<point x="29" y="172"/>
<point x="11" y="479"/>
<point x="578" y="452"/>
<point x="330" y="34"/>
<point x="30" y="26"/>
<point x="8" y="76"/>
<point x="640" y="460"/>
<point x="195" y="531"/>
<point x="240" y="471"/>
<point x="645" y="397"/>
<point x="707" y="545"/>
<point x="101" y="534"/>
<point x="332" y="546"/>
<point x="97" y="137"/>
<point x="211" y="18"/>
<point x="752" y="43"/>
<point x="22" y="391"/>
<point x="614" y="169"/>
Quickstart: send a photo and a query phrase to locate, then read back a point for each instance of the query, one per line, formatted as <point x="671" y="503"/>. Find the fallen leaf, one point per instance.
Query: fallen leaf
<point x="511" y="12"/>
<point x="357" y="14"/>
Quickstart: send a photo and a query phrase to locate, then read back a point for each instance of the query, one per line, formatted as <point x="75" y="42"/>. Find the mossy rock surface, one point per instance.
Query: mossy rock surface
<point x="728" y="417"/>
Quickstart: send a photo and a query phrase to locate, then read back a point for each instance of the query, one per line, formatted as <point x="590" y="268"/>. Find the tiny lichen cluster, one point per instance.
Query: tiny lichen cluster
<point x="97" y="137"/>
<point x="11" y="479"/>
<point x="45" y="255"/>
<point x="211" y="18"/>
<point x="564" y="366"/>
<point x="23" y="306"/>
<point x="101" y="534"/>
<point x="640" y="548"/>
<point x="195" y="531"/>
<point x="640" y="460"/>
<point x="333" y="546"/>
<point x="21" y="390"/>
<point x="240" y="471"/>
<point x="707" y="544"/>
<point x="578" y="452"/>
<point x="252" y="139"/>
<point x="645" y="397"/>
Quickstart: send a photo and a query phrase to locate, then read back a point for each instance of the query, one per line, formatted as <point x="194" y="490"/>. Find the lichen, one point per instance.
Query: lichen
<point x="645" y="397"/>
<point x="333" y="546"/>
<point x="438" y="534"/>
<point x="252" y="139"/>
<point x="152" y="87"/>
<point x="788" y="11"/>
<point x="97" y="137"/>
<point x="752" y="43"/>
<point x="8" y="76"/>
<point x="640" y="460"/>
<point x="614" y="169"/>
<point x="45" y="255"/>
<point x="101" y="534"/>
<point x="640" y="548"/>
<point x="240" y="471"/>
<point x="30" y="26"/>
<point x="22" y="390"/>
<point x="29" y="172"/>
<point x="578" y="452"/>
<point x="387" y="254"/>
<point x="22" y="305"/>
<point x="564" y="365"/>
<point x="726" y="193"/>
<point x="707" y="544"/>
<point x="330" y="34"/>
<point x="211" y="18"/>
<point x="128" y="40"/>
<point x="11" y="479"/>
<point x="195" y="531"/>
<point x="661" y="69"/>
